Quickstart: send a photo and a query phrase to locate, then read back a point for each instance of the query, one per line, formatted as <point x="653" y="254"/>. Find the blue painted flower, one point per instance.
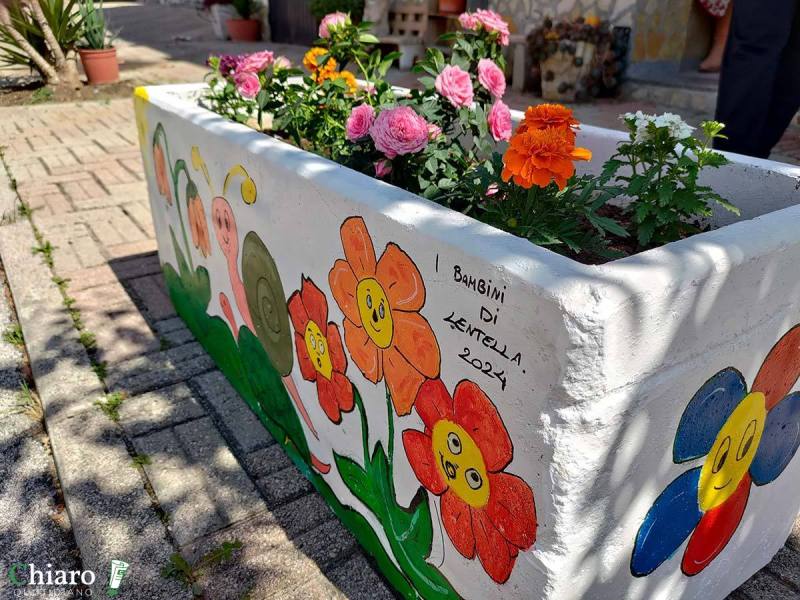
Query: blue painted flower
<point x="745" y="439"/>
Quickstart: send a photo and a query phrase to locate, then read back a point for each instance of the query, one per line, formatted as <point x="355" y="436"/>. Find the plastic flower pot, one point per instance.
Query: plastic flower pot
<point x="489" y="418"/>
<point x="452" y="7"/>
<point x="100" y="66"/>
<point x="244" y="30"/>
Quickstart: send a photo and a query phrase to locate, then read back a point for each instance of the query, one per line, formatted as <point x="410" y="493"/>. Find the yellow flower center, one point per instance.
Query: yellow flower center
<point x="732" y="452"/>
<point x="376" y="317"/>
<point x="461" y="463"/>
<point x="318" y="350"/>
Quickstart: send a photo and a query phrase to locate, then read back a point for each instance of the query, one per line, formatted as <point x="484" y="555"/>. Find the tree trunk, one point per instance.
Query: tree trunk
<point x="66" y="69"/>
<point x="48" y="71"/>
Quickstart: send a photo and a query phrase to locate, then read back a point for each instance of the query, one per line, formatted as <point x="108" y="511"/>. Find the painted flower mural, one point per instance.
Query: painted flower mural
<point x="160" y="163"/>
<point x="461" y="457"/>
<point x="386" y="335"/>
<point x="746" y="438"/>
<point x="197" y="221"/>
<point x="320" y="353"/>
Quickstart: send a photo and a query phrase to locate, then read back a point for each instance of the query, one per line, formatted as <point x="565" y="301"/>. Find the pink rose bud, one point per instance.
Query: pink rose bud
<point x="331" y="21"/>
<point x="383" y="167"/>
<point x="492" y="189"/>
<point x="455" y="84"/>
<point x="398" y="131"/>
<point x="493" y="23"/>
<point x="281" y="63"/>
<point x="468" y="21"/>
<point x="491" y="77"/>
<point x="256" y="62"/>
<point x="434" y="131"/>
<point x="499" y="120"/>
<point x="247" y="84"/>
<point x="359" y="122"/>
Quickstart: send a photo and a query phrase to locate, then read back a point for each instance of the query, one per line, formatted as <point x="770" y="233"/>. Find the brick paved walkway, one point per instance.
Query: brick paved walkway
<point x="214" y="470"/>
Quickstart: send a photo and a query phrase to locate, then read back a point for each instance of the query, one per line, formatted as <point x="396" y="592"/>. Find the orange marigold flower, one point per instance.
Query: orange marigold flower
<point x="349" y="80"/>
<point x="539" y="156"/>
<point x="548" y="115"/>
<point x="311" y="62"/>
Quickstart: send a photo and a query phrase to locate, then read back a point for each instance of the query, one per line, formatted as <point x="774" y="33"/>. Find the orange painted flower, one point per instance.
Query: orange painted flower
<point x="548" y="115"/>
<point x="162" y="180"/>
<point x="386" y="335"/>
<point x="320" y="353"/>
<point x="198" y="225"/>
<point x="460" y="457"/>
<point x="539" y="156"/>
<point x="311" y="62"/>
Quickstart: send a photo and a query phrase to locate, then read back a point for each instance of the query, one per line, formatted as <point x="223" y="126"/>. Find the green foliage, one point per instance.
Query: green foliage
<point x="61" y="16"/>
<point x="96" y="35"/>
<point x="246" y="8"/>
<point x="658" y="169"/>
<point x="24" y="209"/>
<point x="45" y="249"/>
<point x="141" y="460"/>
<point x="110" y="405"/>
<point x="320" y="8"/>
<point x="565" y="221"/>
<point x="188" y="575"/>
<point x="13" y="335"/>
<point x="100" y="369"/>
<point x="43" y="94"/>
<point x="88" y="340"/>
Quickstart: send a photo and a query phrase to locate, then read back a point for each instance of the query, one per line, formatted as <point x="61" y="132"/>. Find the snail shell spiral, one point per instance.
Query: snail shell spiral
<point x="267" y="302"/>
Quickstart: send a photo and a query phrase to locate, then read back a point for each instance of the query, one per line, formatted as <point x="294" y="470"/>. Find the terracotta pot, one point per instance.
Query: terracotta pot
<point x="455" y="7"/>
<point x="244" y="30"/>
<point x="100" y="66"/>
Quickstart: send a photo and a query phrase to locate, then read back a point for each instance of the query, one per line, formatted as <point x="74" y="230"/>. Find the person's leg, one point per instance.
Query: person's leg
<point x="760" y="30"/>
<point x="786" y="94"/>
<point x="722" y="27"/>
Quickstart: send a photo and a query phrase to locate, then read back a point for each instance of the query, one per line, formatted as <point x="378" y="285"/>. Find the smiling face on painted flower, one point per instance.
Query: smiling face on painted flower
<point x="376" y="316"/>
<point x="732" y="452"/>
<point x="461" y="463"/>
<point x="317" y="350"/>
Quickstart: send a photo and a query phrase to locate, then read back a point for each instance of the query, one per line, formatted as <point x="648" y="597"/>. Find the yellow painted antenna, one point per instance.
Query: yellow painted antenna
<point x="248" y="187"/>
<point x="200" y="165"/>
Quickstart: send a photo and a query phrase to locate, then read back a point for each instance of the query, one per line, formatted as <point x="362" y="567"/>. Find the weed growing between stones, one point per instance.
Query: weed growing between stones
<point x="45" y="248"/>
<point x="189" y="575"/>
<point x="110" y="405"/>
<point x="140" y="460"/>
<point x="13" y="335"/>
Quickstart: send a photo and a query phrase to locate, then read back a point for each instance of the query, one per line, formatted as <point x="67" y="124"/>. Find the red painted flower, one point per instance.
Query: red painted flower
<point x="162" y="179"/>
<point x="460" y="457"/>
<point x="319" y="350"/>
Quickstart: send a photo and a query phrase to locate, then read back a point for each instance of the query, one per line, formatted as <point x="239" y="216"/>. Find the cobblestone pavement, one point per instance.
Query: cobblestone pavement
<point x="214" y="473"/>
<point x="34" y="528"/>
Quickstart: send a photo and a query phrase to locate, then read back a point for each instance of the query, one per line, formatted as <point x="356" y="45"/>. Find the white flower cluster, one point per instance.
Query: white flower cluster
<point x="678" y="128"/>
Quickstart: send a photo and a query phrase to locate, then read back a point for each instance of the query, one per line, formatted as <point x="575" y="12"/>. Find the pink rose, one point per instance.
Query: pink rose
<point x="434" y="131"/>
<point x="468" y="21"/>
<point x="247" y="84"/>
<point x="491" y="77"/>
<point x="383" y="167"/>
<point x="493" y="23"/>
<point x="492" y="189"/>
<point x="399" y="130"/>
<point x="330" y="22"/>
<point x="281" y="63"/>
<point x="256" y="62"/>
<point x="359" y="122"/>
<point x="455" y="84"/>
<point x="499" y="121"/>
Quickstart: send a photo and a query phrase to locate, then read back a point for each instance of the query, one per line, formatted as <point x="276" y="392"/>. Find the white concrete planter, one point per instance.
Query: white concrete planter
<point x="587" y="389"/>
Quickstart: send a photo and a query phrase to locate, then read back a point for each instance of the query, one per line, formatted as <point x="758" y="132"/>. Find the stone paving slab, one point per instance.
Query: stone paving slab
<point x="159" y="409"/>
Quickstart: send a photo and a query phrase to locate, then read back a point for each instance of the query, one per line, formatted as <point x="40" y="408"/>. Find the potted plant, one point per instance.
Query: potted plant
<point x="220" y="11"/>
<point x="490" y="418"/>
<point x="577" y="60"/>
<point x="245" y="28"/>
<point x="98" y="55"/>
